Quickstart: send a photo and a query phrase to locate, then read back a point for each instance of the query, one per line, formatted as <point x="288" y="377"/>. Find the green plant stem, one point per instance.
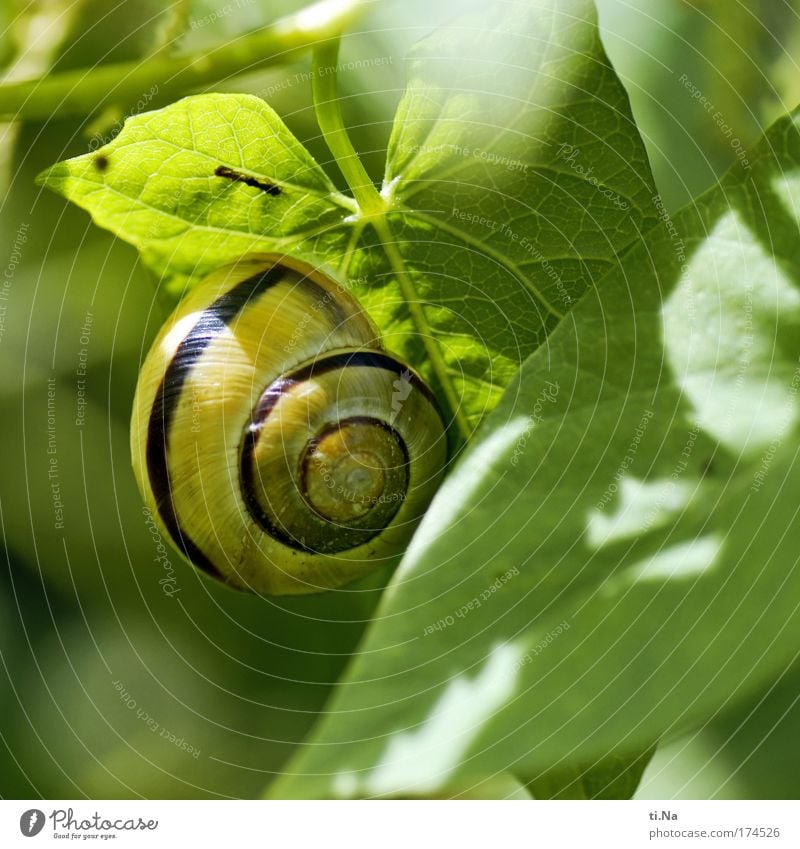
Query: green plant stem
<point x="372" y="208"/>
<point x="329" y="117"/>
<point x="88" y="91"/>
<point x="415" y="308"/>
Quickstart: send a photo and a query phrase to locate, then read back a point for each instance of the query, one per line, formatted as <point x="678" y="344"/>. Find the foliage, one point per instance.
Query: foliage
<point x="506" y="192"/>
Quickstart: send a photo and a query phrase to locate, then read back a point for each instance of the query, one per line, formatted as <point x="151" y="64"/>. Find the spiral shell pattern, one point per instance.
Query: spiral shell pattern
<point x="279" y="447"/>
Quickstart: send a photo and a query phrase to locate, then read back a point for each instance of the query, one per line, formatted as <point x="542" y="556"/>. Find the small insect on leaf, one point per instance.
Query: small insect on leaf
<point x="238" y="177"/>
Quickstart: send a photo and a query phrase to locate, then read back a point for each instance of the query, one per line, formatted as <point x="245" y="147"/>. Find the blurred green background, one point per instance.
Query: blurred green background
<point x="110" y="687"/>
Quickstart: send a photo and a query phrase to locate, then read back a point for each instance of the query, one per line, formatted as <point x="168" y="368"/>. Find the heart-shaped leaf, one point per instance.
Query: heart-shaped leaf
<point x="515" y="178"/>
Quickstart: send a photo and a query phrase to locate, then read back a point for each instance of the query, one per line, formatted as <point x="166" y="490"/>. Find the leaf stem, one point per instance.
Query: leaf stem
<point x="426" y="332"/>
<point x="88" y="91"/>
<point x="329" y="117"/>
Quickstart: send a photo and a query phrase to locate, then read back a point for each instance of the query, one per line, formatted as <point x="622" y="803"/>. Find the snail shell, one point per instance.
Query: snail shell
<point x="279" y="447"/>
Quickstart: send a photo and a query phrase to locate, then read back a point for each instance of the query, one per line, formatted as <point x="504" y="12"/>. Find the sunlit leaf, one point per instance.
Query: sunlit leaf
<point x="515" y="178"/>
<point x="615" y="558"/>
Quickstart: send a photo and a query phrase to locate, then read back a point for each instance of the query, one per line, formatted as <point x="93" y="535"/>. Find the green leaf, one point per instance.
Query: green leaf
<point x="156" y="185"/>
<point x="515" y="178"/>
<point x="612" y="778"/>
<point x="747" y="753"/>
<point x="615" y="558"/>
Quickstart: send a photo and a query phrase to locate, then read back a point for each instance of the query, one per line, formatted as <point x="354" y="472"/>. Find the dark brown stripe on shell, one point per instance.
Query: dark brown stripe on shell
<point x="213" y="321"/>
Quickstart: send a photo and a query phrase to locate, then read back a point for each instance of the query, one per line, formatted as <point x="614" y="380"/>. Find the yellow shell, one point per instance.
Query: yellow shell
<point x="280" y="448"/>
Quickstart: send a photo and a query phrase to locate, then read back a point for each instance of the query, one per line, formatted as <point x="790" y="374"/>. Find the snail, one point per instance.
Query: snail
<point x="280" y="448"/>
